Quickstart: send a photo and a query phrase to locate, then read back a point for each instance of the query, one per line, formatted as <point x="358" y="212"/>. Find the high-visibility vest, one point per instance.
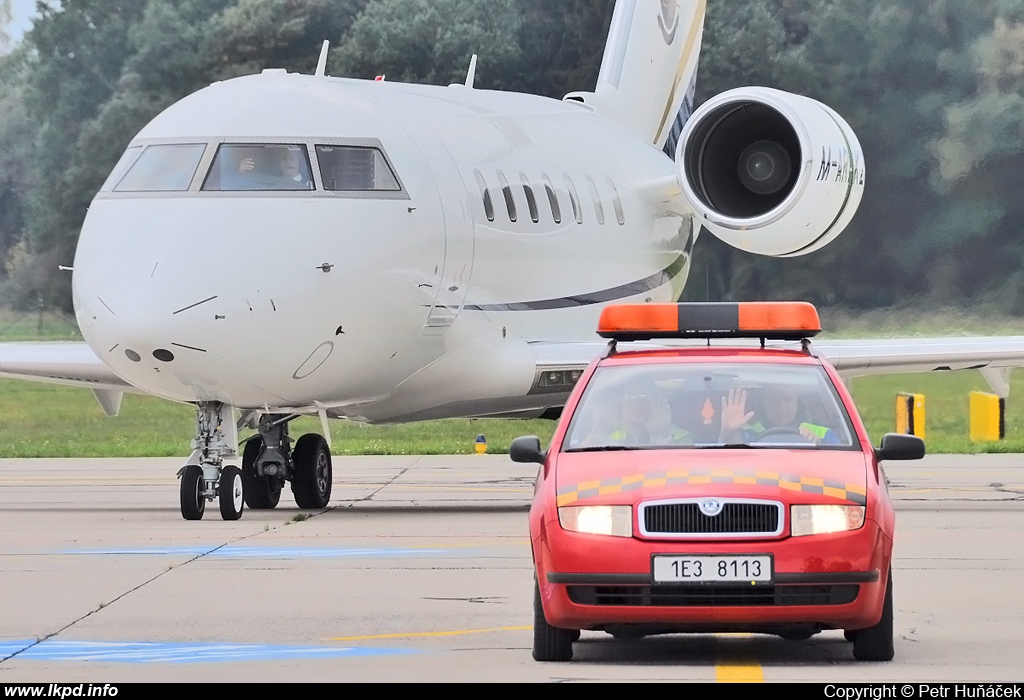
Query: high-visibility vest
<point x="679" y="436"/>
<point x="819" y="431"/>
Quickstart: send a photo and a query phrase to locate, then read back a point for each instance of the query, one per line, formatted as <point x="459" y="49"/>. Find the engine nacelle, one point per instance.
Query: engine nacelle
<point x="770" y="172"/>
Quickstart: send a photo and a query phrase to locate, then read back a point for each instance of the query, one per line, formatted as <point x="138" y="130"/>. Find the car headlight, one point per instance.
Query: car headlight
<point x="598" y="520"/>
<point x="822" y="519"/>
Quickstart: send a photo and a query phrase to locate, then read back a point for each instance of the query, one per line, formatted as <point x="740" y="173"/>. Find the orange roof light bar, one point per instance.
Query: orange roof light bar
<point x="778" y="320"/>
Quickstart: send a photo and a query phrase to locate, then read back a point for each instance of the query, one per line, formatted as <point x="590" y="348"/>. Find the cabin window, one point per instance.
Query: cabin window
<point x="485" y="194"/>
<point x="598" y="208"/>
<point x="163" y="168"/>
<point x="510" y="202"/>
<point x="256" y="167"/>
<point x="616" y="203"/>
<point x="556" y="211"/>
<point x="574" y="199"/>
<point x="126" y="161"/>
<point x="360" y="168"/>
<point x="531" y="201"/>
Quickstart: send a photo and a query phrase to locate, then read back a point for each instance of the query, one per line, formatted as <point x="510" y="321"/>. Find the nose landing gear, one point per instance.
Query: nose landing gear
<point x="267" y="462"/>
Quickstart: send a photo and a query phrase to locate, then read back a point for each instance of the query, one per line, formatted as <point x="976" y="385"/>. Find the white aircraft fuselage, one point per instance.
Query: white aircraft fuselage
<point x="282" y="300"/>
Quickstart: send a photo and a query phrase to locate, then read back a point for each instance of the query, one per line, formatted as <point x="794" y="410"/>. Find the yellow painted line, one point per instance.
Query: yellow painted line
<point x="448" y="633"/>
<point x="750" y="673"/>
<point x="737" y="670"/>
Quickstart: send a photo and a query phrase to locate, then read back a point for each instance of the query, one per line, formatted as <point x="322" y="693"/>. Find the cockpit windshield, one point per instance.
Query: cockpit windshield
<point x="246" y="167"/>
<point x="160" y="168"/>
<point x="688" y="405"/>
<point x="355" y="168"/>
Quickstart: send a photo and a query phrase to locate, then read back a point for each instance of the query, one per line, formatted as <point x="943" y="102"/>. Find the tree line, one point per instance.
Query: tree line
<point x="933" y="90"/>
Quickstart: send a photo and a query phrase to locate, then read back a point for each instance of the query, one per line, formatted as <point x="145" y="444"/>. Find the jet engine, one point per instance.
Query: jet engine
<point x="770" y="172"/>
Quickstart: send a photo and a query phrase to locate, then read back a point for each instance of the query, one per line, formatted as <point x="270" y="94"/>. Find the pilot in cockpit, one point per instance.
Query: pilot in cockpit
<point x="246" y="160"/>
<point x="264" y="167"/>
<point x="293" y="168"/>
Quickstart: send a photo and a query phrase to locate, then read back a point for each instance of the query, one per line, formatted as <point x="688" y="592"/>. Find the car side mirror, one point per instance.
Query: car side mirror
<point x="527" y="449"/>
<point x="900" y="446"/>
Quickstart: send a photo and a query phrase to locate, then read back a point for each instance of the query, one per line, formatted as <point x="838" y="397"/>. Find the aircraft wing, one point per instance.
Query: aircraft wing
<point x="903" y="355"/>
<point x="992" y="355"/>
<point x="71" y="364"/>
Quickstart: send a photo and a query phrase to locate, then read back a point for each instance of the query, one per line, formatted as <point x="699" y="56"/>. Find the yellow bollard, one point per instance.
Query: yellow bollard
<point x="987" y="417"/>
<point x="910" y="414"/>
<point x="481" y="444"/>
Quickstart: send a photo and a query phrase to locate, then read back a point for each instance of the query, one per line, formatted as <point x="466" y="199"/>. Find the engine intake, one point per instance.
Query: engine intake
<point x="770" y="172"/>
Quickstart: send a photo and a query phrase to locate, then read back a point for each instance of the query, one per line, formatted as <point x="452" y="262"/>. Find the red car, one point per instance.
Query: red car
<point x="712" y="488"/>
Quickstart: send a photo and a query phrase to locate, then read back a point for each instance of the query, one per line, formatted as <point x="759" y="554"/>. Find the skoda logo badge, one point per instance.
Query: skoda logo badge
<point x="711" y="507"/>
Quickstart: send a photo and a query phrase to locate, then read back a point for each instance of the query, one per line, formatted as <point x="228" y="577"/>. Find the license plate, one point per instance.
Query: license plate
<point x="704" y="568"/>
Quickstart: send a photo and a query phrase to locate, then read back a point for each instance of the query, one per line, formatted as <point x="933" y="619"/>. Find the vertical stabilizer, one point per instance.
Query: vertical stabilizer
<point x="649" y="68"/>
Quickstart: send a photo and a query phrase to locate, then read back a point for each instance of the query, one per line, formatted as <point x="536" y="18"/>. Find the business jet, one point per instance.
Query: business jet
<point x="279" y="245"/>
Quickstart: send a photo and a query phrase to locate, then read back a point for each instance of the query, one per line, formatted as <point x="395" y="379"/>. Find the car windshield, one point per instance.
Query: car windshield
<point x="712" y="405"/>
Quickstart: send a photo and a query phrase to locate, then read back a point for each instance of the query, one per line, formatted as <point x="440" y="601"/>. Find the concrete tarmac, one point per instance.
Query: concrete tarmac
<point x="420" y="570"/>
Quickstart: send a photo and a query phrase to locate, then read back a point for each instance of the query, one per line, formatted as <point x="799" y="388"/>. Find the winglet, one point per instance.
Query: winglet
<point x="321" y="64"/>
<point x="471" y="74"/>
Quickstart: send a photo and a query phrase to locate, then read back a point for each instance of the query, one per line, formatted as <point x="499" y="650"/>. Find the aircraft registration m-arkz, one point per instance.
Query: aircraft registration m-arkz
<point x="282" y="244"/>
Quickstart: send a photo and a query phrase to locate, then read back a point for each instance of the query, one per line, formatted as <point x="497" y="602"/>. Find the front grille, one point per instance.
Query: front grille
<point x="740" y="518"/>
<point x="714" y="596"/>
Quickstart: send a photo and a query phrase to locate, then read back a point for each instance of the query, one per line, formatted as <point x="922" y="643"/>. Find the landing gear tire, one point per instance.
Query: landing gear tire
<point x="232" y="501"/>
<point x="193" y="502"/>
<point x="875" y="643"/>
<point x="549" y="643"/>
<point x="260" y="493"/>
<point x="311" y="484"/>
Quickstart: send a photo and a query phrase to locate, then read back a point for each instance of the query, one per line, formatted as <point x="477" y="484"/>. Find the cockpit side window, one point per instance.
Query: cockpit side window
<point x="355" y="168"/>
<point x="162" y="168"/>
<point x="241" y="167"/>
<point x="126" y="161"/>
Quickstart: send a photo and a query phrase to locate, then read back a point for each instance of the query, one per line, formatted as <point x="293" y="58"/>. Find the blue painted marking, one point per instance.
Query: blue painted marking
<point x="283" y="552"/>
<point x="170" y="652"/>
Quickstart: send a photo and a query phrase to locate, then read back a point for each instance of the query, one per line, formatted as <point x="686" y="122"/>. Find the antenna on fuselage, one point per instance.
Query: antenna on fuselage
<point x="321" y="64"/>
<point x="471" y="74"/>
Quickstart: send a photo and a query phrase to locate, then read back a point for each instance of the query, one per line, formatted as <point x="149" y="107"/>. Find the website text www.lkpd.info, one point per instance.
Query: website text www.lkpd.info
<point x="61" y="690"/>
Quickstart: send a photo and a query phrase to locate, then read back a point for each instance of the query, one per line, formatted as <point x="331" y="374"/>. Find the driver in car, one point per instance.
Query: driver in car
<point x="780" y="416"/>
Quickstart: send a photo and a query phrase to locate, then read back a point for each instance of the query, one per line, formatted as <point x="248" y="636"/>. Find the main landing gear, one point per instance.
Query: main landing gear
<point x="268" y="461"/>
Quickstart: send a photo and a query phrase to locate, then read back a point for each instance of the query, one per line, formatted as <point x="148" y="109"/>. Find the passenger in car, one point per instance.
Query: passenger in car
<point x="640" y="416"/>
<point x="780" y="414"/>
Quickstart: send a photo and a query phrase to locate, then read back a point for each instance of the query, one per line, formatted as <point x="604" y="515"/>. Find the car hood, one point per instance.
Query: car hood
<point x="792" y="476"/>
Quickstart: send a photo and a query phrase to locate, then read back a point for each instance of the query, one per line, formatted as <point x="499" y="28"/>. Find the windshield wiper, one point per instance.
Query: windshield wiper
<point x="603" y="448"/>
<point x="727" y="446"/>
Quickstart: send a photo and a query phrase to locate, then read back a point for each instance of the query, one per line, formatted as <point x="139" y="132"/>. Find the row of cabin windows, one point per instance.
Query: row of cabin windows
<point x="552" y="197"/>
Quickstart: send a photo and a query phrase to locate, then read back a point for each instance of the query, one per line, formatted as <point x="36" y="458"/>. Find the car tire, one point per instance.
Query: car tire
<point x="549" y="643"/>
<point x="875" y="643"/>
<point x="850" y="635"/>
